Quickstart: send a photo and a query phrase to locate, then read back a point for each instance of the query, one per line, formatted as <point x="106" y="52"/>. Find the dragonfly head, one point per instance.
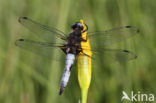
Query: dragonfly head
<point x="78" y="26"/>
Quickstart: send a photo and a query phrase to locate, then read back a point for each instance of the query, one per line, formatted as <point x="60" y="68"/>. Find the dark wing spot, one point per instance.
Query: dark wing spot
<point x="126" y="51"/>
<point x="128" y="26"/>
<point x="20" y="39"/>
<point x="131" y="27"/>
<point x="20" y="18"/>
<point x="16" y="42"/>
<point x="25" y="18"/>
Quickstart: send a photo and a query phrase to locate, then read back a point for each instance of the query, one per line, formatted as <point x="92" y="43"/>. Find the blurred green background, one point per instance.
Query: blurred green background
<point x="28" y="78"/>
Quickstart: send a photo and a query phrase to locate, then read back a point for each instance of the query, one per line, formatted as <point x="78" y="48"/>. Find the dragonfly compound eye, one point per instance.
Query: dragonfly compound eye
<point x="73" y="26"/>
<point x="77" y="25"/>
<point x="86" y="26"/>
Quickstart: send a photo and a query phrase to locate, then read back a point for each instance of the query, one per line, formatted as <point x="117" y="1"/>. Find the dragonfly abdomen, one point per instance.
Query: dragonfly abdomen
<point x="65" y="78"/>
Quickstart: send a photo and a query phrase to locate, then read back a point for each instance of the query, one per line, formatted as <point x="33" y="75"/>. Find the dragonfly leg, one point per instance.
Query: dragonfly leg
<point x="85" y="40"/>
<point x="86" y="55"/>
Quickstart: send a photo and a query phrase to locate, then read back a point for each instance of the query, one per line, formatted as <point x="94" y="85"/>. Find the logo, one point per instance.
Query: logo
<point x="137" y="96"/>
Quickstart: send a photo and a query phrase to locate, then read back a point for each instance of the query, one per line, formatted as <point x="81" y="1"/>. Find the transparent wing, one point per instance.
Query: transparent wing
<point x="43" y="49"/>
<point x="109" y="37"/>
<point x="114" y="54"/>
<point x="45" y="33"/>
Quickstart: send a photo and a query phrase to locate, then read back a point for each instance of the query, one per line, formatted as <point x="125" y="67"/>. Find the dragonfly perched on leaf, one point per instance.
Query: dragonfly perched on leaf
<point x="78" y="44"/>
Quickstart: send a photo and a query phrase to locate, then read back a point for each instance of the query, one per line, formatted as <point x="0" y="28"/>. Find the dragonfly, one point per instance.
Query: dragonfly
<point x="78" y="44"/>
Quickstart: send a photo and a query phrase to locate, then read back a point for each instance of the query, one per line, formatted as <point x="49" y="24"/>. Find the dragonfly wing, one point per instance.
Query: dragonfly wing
<point x="113" y="54"/>
<point x="112" y="36"/>
<point x="43" y="49"/>
<point x="45" y="33"/>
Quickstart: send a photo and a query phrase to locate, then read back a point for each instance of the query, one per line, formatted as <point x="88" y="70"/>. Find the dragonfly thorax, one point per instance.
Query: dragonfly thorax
<point x="75" y="38"/>
<point x="73" y="43"/>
